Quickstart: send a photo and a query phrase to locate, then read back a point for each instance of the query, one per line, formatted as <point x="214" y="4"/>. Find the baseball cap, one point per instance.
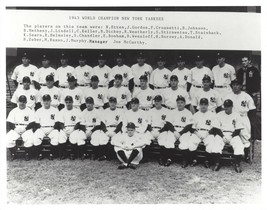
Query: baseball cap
<point x="46" y="97"/>
<point x="25" y="55"/>
<point x="130" y="125"/>
<point x="63" y="56"/>
<point x="228" y="103"/>
<point x="45" y="57"/>
<point x="174" y="77"/>
<point x="26" y="79"/>
<point x="101" y="56"/>
<point x="144" y="77"/>
<point x="161" y="58"/>
<point x="220" y="55"/>
<point x="135" y="101"/>
<point x="82" y="57"/>
<point x="118" y="76"/>
<point x="71" y="79"/>
<point x="204" y="101"/>
<point x="89" y="100"/>
<point x="49" y="77"/>
<point x="119" y="55"/>
<point x="199" y="58"/>
<point x="180" y="58"/>
<point x="140" y="55"/>
<point x="112" y="99"/>
<point x="22" y="98"/>
<point x="94" y="78"/>
<point x="180" y="98"/>
<point x="68" y="98"/>
<point x="236" y="81"/>
<point x="206" y="78"/>
<point x="158" y="98"/>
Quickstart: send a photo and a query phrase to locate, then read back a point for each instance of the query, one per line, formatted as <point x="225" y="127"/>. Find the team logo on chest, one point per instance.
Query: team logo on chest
<point x="106" y="75"/>
<point x="77" y="97"/>
<point x="32" y="74"/>
<point x="69" y="74"/>
<point x="117" y="117"/>
<point x="163" y="117"/>
<point x="212" y="99"/>
<point x="149" y="98"/>
<point x="140" y="120"/>
<point x="125" y="75"/>
<point x="208" y="122"/>
<point x="146" y="73"/>
<point x="26" y="118"/>
<point x="99" y="96"/>
<point x="123" y="96"/>
<point x="234" y="122"/>
<point x="73" y="118"/>
<point x="55" y="97"/>
<point x="185" y="77"/>
<point x="52" y="74"/>
<point x="250" y="74"/>
<point x="165" y="76"/>
<point x="32" y="97"/>
<point x="94" y="120"/>
<point x="86" y="74"/>
<point x="183" y="119"/>
<point x="226" y="75"/>
<point x="243" y="103"/>
<point x="52" y="116"/>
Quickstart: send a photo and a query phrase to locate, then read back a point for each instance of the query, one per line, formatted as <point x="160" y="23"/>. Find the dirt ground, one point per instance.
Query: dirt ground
<point x="94" y="182"/>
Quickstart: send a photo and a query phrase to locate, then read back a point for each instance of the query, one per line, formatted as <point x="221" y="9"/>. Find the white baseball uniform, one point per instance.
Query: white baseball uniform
<point x="21" y="118"/>
<point x="99" y="95"/>
<point x="169" y="97"/>
<point x="54" y="92"/>
<point x="196" y="77"/>
<point x="138" y="71"/>
<point x="125" y="71"/>
<point x="76" y="94"/>
<point x="122" y="94"/>
<point x="31" y="94"/>
<point x="242" y="103"/>
<point x="103" y="75"/>
<point x="42" y="73"/>
<point x="160" y="79"/>
<point x="228" y="123"/>
<point x="180" y="119"/>
<point x="145" y="97"/>
<point x="22" y="71"/>
<point x="46" y="118"/>
<point x="63" y="73"/>
<point x="183" y="77"/>
<point x="111" y="118"/>
<point x="91" y="119"/>
<point x="83" y="74"/>
<point x="157" y="120"/>
<point x="214" y="98"/>
<point x="223" y="76"/>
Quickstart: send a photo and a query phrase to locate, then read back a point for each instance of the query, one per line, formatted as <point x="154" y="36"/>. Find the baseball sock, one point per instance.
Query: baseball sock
<point x="123" y="156"/>
<point x="54" y="150"/>
<point x="132" y="156"/>
<point x="12" y="150"/>
<point x="217" y="157"/>
<point x="38" y="149"/>
<point x="81" y="149"/>
<point x="237" y="159"/>
<point x="185" y="155"/>
<point x="246" y="151"/>
<point x="163" y="153"/>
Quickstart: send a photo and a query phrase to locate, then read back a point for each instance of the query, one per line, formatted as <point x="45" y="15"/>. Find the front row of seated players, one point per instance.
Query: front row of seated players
<point x="104" y="129"/>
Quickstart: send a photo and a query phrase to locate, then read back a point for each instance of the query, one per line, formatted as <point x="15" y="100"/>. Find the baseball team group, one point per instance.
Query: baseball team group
<point x="124" y="109"/>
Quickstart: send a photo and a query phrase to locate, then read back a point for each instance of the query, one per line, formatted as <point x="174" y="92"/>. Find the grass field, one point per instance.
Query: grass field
<point x="94" y="182"/>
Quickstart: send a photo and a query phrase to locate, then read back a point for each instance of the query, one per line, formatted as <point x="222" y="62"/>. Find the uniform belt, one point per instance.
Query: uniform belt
<point x="178" y="126"/>
<point x="90" y="126"/>
<point x="43" y="84"/>
<point x="220" y="86"/>
<point x="82" y="85"/>
<point x="98" y="107"/>
<point x="47" y="126"/>
<point x="120" y="107"/>
<point x="227" y="131"/>
<point x="21" y="124"/>
<point x="160" y="87"/>
<point x="202" y="129"/>
<point x="102" y="86"/>
<point x="111" y="126"/>
<point x="63" y="86"/>
<point x="145" y="109"/>
<point x="137" y="85"/>
<point x="170" y="108"/>
<point x="125" y="85"/>
<point x="198" y="86"/>
<point x="156" y="127"/>
<point x="69" y="125"/>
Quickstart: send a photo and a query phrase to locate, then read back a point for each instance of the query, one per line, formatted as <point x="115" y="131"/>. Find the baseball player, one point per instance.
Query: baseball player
<point x="244" y="105"/>
<point x="21" y="123"/>
<point x="203" y="121"/>
<point x="170" y="94"/>
<point x="228" y="131"/>
<point x="121" y="93"/>
<point x="30" y="93"/>
<point x="197" y="73"/>
<point x="74" y="92"/>
<point x="50" y="89"/>
<point x="23" y="70"/>
<point x="181" y="120"/>
<point x="69" y="129"/>
<point x="145" y="94"/>
<point x="215" y="99"/>
<point x="64" y="72"/>
<point x="83" y="73"/>
<point x="128" y="147"/>
<point x="160" y="77"/>
<point x="223" y="74"/>
<point x="98" y="94"/>
<point x="124" y="70"/>
<point x="166" y="140"/>
<point x="140" y="68"/>
<point x="91" y="121"/>
<point x="102" y="71"/>
<point x="44" y="71"/>
<point x="45" y="117"/>
<point x="112" y="122"/>
<point x="182" y="73"/>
